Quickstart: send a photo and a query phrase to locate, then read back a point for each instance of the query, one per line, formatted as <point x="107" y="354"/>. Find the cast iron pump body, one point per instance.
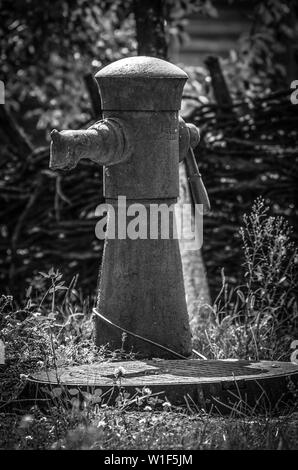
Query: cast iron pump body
<point x="140" y="142"/>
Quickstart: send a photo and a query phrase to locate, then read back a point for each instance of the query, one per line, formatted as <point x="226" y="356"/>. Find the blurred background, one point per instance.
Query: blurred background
<point x="241" y="58"/>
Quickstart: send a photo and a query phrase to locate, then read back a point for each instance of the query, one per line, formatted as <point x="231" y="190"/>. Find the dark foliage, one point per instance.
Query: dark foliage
<point x="250" y="152"/>
<point x="49" y="217"/>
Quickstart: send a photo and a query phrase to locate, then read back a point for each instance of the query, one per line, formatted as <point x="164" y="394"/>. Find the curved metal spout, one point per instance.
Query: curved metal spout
<point x="106" y="143"/>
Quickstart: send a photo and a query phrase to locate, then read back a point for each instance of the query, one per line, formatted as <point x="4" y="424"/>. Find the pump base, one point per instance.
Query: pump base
<point x="212" y="385"/>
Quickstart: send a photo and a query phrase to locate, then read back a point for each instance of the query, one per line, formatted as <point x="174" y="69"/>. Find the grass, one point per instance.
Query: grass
<point x="113" y="429"/>
<point x="258" y="319"/>
<point x="54" y="327"/>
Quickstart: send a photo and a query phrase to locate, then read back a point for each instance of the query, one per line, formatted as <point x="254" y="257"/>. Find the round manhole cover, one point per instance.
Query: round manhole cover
<point x="214" y="383"/>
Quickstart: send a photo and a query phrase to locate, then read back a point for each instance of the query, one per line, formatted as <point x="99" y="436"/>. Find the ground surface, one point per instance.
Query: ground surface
<point x="139" y="421"/>
<point x="118" y="429"/>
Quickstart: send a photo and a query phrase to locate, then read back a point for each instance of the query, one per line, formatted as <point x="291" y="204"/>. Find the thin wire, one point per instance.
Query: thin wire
<point x="102" y="317"/>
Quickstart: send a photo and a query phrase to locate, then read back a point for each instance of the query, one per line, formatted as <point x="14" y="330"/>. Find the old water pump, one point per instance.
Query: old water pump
<point x="139" y="142"/>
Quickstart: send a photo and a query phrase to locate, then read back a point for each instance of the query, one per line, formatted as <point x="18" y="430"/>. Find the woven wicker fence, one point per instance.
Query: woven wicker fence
<point x="47" y="219"/>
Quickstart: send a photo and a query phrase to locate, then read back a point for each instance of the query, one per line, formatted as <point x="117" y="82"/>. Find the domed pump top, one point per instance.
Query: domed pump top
<point x="141" y="83"/>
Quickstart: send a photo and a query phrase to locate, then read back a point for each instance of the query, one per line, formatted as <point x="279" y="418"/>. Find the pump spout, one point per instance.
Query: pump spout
<point x="106" y="143"/>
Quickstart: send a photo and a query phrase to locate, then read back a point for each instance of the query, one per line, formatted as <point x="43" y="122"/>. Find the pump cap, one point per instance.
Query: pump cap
<point x="141" y="84"/>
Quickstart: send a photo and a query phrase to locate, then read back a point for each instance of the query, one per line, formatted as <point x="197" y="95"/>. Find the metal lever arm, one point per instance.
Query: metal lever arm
<point x="198" y="190"/>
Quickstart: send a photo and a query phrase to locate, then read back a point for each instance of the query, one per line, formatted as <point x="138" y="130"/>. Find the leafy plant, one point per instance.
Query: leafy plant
<point x="257" y="63"/>
<point x="258" y="319"/>
<point x="46" y="50"/>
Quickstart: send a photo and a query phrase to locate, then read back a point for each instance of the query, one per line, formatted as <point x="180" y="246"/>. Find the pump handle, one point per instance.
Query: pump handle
<point x="198" y="190"/>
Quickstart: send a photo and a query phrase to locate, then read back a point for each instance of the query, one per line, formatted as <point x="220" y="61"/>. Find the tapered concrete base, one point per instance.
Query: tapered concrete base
<point x="142" y="290"/>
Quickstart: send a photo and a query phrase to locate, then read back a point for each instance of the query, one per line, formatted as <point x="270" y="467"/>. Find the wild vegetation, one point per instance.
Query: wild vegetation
<point x="255" y="320"/>
<point x="49" y="256"/>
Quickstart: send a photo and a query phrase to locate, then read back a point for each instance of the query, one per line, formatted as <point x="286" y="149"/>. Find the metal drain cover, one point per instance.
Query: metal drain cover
<point x="217" y="384"/>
